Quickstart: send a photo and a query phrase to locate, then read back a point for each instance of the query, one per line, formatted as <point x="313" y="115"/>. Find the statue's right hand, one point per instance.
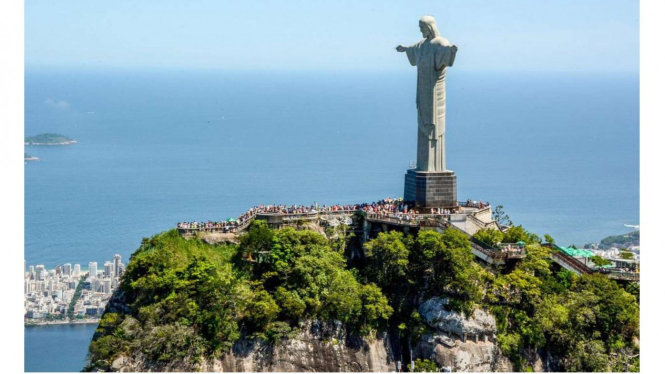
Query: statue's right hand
<point x="400" y="48"/>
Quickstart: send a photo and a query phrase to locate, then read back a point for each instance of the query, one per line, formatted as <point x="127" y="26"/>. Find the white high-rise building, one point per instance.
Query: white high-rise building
<point x="77" y="270"/>
<point x="107" y="285"/>
<point x="96" y="285"/>
<point x="108" y="269"/>
<point x="67" y="269"/>
<point x="117" y="261"/>
<point x="93" y="269"/>
<point x="40" y="272"/>
<point x="32" y="271"/>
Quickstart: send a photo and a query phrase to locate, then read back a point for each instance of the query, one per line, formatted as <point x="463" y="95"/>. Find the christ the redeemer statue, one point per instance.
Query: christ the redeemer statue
<point x="432" y="55"/>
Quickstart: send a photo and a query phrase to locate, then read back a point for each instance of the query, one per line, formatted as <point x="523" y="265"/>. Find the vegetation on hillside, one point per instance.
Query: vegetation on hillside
<point x="48" y="139"/>
<point x="77" y="295"/>
<point x="588" y="322"/>
<point x="189" y="299"/>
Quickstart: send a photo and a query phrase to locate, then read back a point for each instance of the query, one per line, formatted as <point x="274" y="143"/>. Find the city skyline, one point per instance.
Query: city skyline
<point x="58" y="294"/>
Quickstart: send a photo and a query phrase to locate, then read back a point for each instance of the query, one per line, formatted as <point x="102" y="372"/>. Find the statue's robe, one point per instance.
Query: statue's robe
<point x="432" y="56"/>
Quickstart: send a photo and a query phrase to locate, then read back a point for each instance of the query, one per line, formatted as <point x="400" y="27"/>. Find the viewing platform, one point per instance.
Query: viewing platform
<point x="467" y="217"/>
<point x="479" y="213"/>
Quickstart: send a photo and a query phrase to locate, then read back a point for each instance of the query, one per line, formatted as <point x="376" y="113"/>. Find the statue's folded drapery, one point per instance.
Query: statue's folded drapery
<point x="431" y="56"/>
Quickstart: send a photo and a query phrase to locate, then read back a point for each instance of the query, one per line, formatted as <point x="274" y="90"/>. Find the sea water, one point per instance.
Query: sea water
<point x="57" y="347"/>
<point x="560" y="152"/>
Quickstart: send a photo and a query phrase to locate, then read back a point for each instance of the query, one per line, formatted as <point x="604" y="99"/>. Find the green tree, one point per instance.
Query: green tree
<point x="375" y="307"/>
<point x="257" y="239"/>
<point x="489" y="236"/>
<point x="388" y="259"/>
<point x="626" y="255"/>
<point x="261" y="310"/>
<point x="599" y="261"/>
<point x="425" y="366"/>
<point x="285" y="247"/>
<point x="565" y="278"/>
<point x="279" y="330"/>
<point x="549" y="239"/>
<point x="447" y="259"/>
<point x="342" y="300"/>
<point x="290" y="303"/>
<point x="500" y="216"/>
<point x="519" y="234"/>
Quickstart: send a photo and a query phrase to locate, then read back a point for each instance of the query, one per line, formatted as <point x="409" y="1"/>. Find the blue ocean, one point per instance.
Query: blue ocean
<point x="560" y="152"/>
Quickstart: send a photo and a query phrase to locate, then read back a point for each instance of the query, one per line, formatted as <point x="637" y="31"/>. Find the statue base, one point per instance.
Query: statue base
<point x="431" y="189"/>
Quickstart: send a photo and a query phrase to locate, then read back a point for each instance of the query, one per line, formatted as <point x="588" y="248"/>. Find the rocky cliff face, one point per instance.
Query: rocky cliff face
<point x="436" y="314"/>
<point x="459" y="356"/>
<point x="460" y="343"/>
<point x="317" y="347"/>
<point x="326" y="347"/>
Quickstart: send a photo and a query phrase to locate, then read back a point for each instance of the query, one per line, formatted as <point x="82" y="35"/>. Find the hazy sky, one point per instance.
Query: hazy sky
<point x="492" y="35"/>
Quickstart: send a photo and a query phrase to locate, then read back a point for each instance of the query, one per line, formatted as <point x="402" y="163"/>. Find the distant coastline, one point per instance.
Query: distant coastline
<point x="62" y="322"/>
<point x="27" y="157"/>
<point x="49" y="139"/>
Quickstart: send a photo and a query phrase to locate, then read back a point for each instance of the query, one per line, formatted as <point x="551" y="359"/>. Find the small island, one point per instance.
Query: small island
<point x="48" y="139"/>
<point x="27" y="157"/>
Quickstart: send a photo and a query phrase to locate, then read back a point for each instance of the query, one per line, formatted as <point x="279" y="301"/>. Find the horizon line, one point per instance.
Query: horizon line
<point x="34" y="67"/>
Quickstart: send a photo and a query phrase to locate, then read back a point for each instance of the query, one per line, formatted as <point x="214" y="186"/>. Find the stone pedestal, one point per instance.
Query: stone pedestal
<point x="431" y="189"/>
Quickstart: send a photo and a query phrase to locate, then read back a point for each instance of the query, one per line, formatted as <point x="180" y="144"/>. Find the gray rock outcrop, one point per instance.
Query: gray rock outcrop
<point x="318" y="347"/>
<point x="469" y="356"/>
<point x="460" y="343"/>
<point x="437" y="315"/>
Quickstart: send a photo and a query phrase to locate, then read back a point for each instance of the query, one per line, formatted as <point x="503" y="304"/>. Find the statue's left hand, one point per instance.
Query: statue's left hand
<point x="400" y="48"/>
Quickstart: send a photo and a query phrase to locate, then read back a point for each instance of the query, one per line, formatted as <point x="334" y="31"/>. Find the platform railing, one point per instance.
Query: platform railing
<point x="466" y="204"/>
<point x="386" y="218"/>
<point x="621" y="275"/>
<point x="571" y="261"/>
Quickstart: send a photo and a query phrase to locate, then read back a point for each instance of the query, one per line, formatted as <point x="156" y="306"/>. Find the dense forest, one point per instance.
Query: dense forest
<point x="186" y="299"/>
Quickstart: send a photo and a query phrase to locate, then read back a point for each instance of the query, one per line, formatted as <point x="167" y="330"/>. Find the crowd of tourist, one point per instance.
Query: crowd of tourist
<point x="394" y="208"/>
<point x="475" y="204"/>
<point x="223" y="226"/>
<point x="443" y="211"/>
<point x="512" y="248"/>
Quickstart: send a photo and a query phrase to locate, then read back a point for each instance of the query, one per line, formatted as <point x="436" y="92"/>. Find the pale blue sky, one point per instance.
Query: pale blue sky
<point x="571" y="35"/>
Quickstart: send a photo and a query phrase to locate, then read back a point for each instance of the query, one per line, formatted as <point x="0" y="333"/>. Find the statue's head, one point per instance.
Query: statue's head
<point x="428" y="27"/>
